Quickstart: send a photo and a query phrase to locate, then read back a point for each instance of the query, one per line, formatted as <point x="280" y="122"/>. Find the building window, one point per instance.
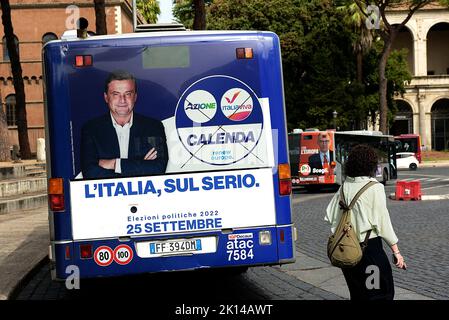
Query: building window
<point x="5" y="48"/>
<point x="10" y="103"/>
<point x="48" y="37"/>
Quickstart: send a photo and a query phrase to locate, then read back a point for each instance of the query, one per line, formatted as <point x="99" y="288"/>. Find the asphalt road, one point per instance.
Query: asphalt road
<point x="421" y="226"/>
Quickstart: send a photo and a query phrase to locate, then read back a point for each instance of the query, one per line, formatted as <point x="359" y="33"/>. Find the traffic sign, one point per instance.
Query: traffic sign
<point x="123" y="254"/>
<point x="103" y="256"/>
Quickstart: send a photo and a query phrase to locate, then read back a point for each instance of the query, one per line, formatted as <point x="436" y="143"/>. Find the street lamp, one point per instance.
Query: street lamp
<point x="335" y="114"/>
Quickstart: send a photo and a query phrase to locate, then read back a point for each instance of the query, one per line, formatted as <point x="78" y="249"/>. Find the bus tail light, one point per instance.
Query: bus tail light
<point x="86" y="251"/>
<point x="56" y="194"/>
<point x="67" y="252"/>
<point x="285" y="179"/>
<point x="244" y="53"/>
<point x="83" y="61"/>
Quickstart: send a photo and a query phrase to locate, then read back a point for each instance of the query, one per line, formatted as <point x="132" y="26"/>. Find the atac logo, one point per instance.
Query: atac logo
<point x="237" y="104"/>
<point x="304" y="169"/>
<point x="200" y="106"/>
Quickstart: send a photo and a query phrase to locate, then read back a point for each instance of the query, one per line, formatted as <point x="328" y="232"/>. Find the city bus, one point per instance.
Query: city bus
<point x="311" y="171"/>
<point x="205" y="182"/>
<point x="409" y="143"/>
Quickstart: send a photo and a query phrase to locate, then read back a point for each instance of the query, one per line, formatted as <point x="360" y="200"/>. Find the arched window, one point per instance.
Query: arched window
<point x="5" y="48"/>
<point x="10" y="103"/>
<point x="437" y="47"/>
<point x="440" y="125"/>
<point x="404" y="40"/>
<point x="48" y="37"/>
<point x="403" y="120"/>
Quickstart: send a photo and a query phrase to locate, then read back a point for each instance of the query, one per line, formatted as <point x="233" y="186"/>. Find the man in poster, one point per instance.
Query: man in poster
<point x="122" y="143"/>
<point x="320" y="162"/>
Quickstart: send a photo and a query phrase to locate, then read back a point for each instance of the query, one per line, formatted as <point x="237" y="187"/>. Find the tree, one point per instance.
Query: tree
<point x="316" y="53"/>
<point x="16" y="68"/>
<point x="362" y="36"/>
<point x="100" y="17"/>
<point x="184" y="12"/>
<point x="318" y="58"/>
<point x="388" y="33"/>
<point x="199" y="20"/>
<point x="397" y="73"/>
<point x="362" y="39"/>
<point x="149" y="9"/>
<point x="4" y="145"/>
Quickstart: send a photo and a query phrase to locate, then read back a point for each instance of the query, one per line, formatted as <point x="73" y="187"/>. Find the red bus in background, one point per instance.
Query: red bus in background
<point x="317" y="158"/>
<point x="307" y="150"/>
<point x="409" y="143"/>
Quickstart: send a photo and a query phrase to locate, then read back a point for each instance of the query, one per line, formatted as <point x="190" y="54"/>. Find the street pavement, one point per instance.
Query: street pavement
<point x="24" y="240"/>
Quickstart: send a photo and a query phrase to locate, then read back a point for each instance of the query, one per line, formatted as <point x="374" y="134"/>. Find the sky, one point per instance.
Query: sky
<point x="166" y="15"/>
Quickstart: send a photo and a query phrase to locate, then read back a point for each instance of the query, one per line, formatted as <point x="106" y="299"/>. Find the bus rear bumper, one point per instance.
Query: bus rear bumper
<point x="271" y="245"/>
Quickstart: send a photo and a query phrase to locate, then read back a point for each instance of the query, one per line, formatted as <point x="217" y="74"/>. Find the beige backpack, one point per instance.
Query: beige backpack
<point x="343" y="247"/>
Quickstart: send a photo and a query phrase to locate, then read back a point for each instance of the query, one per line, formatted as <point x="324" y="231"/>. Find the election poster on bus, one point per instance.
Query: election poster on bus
<point x="317" y="160"/>
<point x="129" y="121"/>
<point x="200" y="146"/>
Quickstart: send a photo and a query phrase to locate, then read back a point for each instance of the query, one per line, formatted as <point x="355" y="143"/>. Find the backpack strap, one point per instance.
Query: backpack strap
<point x="357" y="196"/>
<point x="345" y="207"/>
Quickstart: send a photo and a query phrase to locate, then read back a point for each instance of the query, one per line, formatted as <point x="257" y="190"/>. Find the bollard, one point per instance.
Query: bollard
<point x="15" y="153"/>
<point x="41" y="149"/>
<point x="408" y="190"/>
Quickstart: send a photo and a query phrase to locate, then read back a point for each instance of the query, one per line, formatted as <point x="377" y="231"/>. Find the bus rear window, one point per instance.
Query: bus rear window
<point x="166" y="57"/>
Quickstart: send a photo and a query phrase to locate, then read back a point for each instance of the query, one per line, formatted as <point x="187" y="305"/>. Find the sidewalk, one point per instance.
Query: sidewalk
<point x="331" y="279"/>
<point x="24" y="239"/>
<point x="430" y="164"/>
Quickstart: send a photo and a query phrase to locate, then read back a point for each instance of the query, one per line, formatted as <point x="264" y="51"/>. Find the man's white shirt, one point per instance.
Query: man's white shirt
<point x="123" y="141"/>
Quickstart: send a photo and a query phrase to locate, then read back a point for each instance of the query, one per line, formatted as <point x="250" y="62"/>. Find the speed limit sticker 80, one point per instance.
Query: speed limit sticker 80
<point x="103" y="256"/>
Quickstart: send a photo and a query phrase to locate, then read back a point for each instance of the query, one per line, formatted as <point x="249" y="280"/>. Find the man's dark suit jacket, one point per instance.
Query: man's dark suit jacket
<point x="315" y="161"/>
<point x="99" y="141"/>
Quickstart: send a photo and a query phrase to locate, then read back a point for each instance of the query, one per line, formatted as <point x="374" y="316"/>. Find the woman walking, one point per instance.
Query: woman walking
<point x="369" y="213"/>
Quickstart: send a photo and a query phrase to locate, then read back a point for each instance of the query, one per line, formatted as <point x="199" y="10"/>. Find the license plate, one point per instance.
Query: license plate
<point x="160" y="248"/>
<point x="175" y="246"/>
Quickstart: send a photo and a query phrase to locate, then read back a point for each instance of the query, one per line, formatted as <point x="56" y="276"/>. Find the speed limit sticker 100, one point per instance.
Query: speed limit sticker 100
<point x="103" y="256"/>
<point x="123" y="254"/>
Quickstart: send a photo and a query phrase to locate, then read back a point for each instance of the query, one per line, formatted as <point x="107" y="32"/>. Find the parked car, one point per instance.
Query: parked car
<point x="406" y="160"/>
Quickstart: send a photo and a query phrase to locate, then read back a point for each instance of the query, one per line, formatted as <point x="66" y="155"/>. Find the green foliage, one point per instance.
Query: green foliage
<point x="184" y="13"/>
<point x="305" y="29"/>
<point x="149" y="9"/>
<point x="318" y="57"/>
<point x="397" y="73"/>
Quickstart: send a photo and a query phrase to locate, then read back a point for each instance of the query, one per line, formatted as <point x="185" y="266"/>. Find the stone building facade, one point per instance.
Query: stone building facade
<point x="36" y="22"/>
<point x="424" y="109"/>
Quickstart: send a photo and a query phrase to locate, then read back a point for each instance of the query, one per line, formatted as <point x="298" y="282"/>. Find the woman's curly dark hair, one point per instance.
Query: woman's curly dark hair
<point x="362" y="161"/>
